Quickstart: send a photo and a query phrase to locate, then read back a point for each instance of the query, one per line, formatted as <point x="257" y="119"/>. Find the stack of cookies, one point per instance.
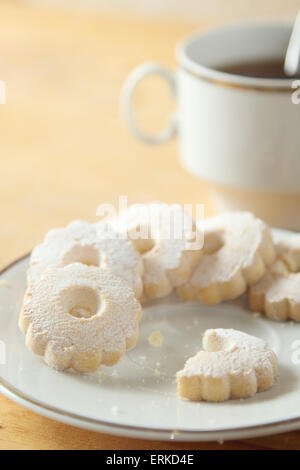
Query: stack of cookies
<point x="86" y="283"/>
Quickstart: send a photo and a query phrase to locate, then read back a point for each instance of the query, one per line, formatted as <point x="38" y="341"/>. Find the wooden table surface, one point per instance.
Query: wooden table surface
<point x="65" y="149"/>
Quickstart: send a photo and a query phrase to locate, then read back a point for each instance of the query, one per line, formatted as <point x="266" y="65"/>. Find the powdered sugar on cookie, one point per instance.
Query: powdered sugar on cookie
<point x="90" y="244"/>
<point x="237" y="247"/>
<point x="277" y="294"/>
<point x="168" y="256"/>
<point x="233" y="364"/>
<point x="80" y="317"/>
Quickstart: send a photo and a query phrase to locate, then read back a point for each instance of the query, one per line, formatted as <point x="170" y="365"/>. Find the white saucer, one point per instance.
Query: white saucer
<point x="137" y="397"/>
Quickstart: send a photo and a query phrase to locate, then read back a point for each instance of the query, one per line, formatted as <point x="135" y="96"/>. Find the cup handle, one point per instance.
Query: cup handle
<point x="143" y="70"/>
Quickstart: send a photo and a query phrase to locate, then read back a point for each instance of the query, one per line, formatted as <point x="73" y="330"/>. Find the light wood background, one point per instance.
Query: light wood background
<point x="64" y="149"/>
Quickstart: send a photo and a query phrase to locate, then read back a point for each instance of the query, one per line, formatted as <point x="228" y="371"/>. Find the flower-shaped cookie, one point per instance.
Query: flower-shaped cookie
<point x="166" y="238"/>
<point x="277" y="294"/>
<point x="79" y="317"/>
<point x="237" y="249"/>
<point x="90" y="244"/>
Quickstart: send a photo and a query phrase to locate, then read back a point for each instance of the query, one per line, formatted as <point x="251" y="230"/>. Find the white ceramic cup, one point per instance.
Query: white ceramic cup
<point x="240" y="133"/>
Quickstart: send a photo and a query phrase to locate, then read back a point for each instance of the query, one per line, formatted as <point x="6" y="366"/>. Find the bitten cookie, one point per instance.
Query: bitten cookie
<point x="277" y="294"/>
<point x="163" y="235"/>
<point x="237" y="249"/>
<point x="232" y="365"/>
<point x="80" y="317"/>
<point x="90" y="244"/>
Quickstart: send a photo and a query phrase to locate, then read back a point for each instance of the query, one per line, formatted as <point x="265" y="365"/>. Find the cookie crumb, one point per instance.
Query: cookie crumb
<point x="115" y="374"/>
<point x="156" y="339"/>
<point x="220" y="441"/>
<point x="4" y="283"/>
<point x="173" y="435"/>
<point x="115" y="410"/>
<point x="256" y="314"/>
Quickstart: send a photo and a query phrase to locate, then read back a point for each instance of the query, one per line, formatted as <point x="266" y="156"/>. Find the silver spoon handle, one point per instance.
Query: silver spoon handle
<point x="292" y="57"/>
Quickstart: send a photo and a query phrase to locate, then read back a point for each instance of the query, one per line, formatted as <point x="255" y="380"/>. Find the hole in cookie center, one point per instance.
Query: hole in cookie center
<point x="143" y="245"/>
<point x="87" y="255"/>
<point x="81" y="302"/>
<point x="213" y="242"/>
